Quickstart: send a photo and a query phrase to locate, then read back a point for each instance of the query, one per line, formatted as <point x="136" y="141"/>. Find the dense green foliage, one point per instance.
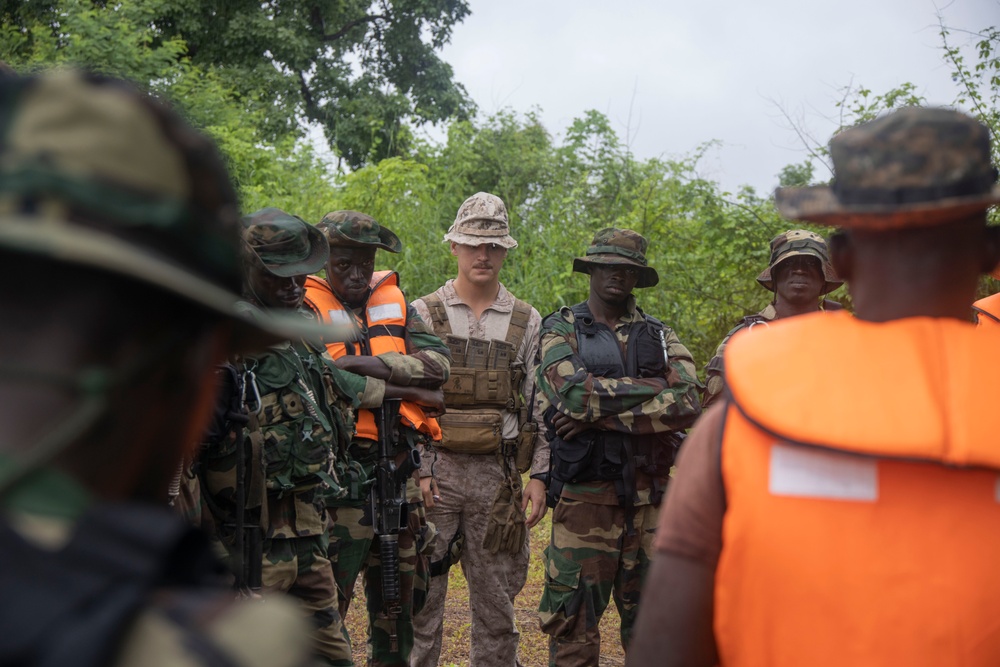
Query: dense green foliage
<point x="250" y="72"/>
<point x="364" y="71"/>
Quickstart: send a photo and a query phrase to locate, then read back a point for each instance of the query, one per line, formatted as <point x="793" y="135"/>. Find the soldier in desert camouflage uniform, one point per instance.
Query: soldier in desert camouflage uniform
<point x="799" y="274"/>
<point x="488" y="439"/>
<point x="614" y="383"/>
<point x="305" y="424"/>
<point x="391" y="346"/>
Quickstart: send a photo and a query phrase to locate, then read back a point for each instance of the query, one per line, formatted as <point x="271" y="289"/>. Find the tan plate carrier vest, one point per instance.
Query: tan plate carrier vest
<point x="485" y="380"/>
<point x="861" y="468"/>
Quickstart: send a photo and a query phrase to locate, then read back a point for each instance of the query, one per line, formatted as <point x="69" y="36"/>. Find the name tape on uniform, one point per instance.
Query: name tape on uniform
<point x="814" y="473"/>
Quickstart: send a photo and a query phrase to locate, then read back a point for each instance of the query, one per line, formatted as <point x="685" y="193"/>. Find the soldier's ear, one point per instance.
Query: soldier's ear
<point x="454" y="249"/>
<point x="842" y="254"/>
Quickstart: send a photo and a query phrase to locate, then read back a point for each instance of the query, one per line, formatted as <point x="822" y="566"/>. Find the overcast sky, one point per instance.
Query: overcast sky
<point x="695" y="71"/>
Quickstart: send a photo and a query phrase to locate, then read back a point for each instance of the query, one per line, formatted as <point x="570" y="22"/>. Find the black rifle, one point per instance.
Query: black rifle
<point x="388" y="506"/>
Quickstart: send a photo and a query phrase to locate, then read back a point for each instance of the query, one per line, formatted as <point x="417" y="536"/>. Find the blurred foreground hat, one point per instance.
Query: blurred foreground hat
<point x="618" y="246"/>
<point x="913" y="167"/>
<point x="95" y="173"/>
<point x="482" y="218"/>
<point x="285" y="245"/>
<point x="350" y="228"/>
<point x="800" y="242"/>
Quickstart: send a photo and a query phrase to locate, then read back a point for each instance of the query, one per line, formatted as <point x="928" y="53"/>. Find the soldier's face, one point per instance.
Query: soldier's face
<point x="613" y="283"/>
<point x="798" y="280"/>
<point x="349" y="272"/>
<point x="273" y="291"/>
<point x="481" y="264"/>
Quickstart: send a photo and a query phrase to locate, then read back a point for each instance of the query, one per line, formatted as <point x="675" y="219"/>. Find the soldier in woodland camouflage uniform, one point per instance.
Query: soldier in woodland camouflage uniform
<point x="305" y="425"/>
<point x="472" y="485"/>
<point x="119" y="243"/>
<point x="799" y="274"/>
<point x="614" y="384"/>
<point x="392" y="347"/>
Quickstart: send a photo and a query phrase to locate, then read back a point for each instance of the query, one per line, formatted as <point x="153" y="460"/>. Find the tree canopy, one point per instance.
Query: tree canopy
<point x="364" y="71"/>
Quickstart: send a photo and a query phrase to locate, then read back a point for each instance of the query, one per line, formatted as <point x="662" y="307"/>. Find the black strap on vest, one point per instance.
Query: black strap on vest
<point x="74" y="606"/>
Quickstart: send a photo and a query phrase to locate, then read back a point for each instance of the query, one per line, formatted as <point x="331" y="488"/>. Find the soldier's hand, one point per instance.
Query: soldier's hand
<point x="429" y="490"/>
<point x="568" y="428"/>
<point x="431" y="400"/>
<point x="534" y="493"/>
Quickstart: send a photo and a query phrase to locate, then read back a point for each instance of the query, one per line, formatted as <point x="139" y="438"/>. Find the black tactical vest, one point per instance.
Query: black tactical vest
<point x="610" y="455"/>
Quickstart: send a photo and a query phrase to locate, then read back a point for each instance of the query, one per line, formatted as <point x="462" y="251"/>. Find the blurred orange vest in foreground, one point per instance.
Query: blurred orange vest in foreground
<point x="382" y="330"/>
<point x="862" y="525"/>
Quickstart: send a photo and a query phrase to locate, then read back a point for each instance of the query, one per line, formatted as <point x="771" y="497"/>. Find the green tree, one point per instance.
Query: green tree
<point x="365" y="71"/>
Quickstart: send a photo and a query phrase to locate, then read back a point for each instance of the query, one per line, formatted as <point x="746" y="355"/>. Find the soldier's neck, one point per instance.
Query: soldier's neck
<point x="478" y="297"/>
<point x="786" y="309"/>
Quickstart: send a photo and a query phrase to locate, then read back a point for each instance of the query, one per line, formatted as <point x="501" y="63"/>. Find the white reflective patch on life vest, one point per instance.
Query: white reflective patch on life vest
<point x="338" y="316"/>
<point x="386" y="311"/>
<point x="814" y="473"/>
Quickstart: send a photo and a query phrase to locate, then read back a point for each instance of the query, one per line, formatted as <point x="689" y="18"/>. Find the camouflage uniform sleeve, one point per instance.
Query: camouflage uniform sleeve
<point x="360" y="391"/>
<point x="567" y="386"/>
<point x="540" y="460"/>
<point x="714" y="380"/>
<point x="427" y="361"/>
<point x="674" y="408"/>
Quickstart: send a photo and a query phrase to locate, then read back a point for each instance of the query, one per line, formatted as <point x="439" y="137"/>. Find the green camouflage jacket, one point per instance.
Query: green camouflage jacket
<point x="628" y="405"/>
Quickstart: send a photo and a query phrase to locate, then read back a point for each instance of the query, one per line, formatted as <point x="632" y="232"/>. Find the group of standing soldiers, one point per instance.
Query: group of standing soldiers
<point x="359" y="432"/>
<point x="413" y="423"/>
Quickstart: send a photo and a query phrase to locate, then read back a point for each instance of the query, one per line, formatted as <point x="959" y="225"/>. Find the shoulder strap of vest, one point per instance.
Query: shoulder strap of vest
<point x="439" y="315"/>
<point x="518" y="323"/>
<point x="74" y="605"/>
<point x="980" y="312"/>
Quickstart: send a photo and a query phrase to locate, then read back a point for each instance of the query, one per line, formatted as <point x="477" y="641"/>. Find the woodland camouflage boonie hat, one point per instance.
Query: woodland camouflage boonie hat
<point x="914" y="167"/>
<point x="350" y="228"/>
<point x="798" y="242"/>
<point x="95" y="173"/>
<point x="618" y="246"/>
<point x="482" y="218"/>
<point x="285" y="245"/>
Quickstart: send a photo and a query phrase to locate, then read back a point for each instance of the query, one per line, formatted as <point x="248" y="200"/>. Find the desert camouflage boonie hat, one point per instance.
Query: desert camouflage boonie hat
<point x="799" y="242"/>
<point x="914" y="167"/>
<point x="618" y="246"/>
<point x="482" y="218"/>
<point x="284" y="244"/>
<point x="95" y="173"/>
<point x="351" y="228"/>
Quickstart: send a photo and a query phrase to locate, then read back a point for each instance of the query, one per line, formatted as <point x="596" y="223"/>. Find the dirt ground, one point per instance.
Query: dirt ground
<point x="457" y="620"/>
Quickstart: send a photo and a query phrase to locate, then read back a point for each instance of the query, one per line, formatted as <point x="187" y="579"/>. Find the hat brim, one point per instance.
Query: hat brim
<point x="505" y="240"/>
<point x="386" y="240"/>
<point x="319" y="253"/>
<point x="648" y="277"/>
<point x="832" y="282"/>
<point x="72" y="244"/>
<point x="819" y="204"/>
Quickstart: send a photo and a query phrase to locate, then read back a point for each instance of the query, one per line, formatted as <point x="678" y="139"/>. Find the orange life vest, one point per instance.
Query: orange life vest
<point x="988" y="311"/>
<point x="383" y="329"/>
<point x="862" y="524"/>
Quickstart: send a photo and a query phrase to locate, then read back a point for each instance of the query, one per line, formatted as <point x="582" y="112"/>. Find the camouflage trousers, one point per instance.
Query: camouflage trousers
<point x="468" y="484"/>
<point x="299" y="567"/>
<point x="590" y="558"/>
<point x="353" y="548"/>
